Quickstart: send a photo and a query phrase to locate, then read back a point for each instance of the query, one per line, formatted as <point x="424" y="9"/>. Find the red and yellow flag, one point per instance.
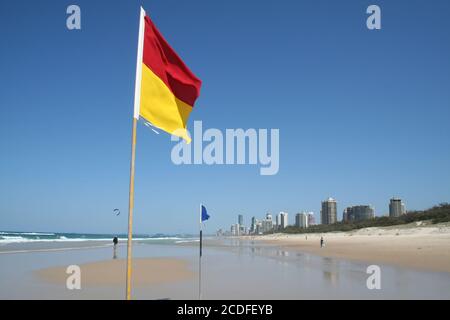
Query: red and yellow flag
<point x="166" y="89"/>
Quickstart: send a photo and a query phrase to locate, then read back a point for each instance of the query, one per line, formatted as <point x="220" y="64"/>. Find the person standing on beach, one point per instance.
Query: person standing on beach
<point x="115" y="242"/>
<point x="321" y="242"/>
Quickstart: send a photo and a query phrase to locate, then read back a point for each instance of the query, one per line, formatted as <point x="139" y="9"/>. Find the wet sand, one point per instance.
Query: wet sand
<point x="111" y="272"/>
<point x="424" y="248"/>
<point x="231" y="269"/>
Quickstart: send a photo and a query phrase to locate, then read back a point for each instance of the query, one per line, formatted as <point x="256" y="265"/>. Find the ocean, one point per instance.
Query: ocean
<point x="10" y="237"/>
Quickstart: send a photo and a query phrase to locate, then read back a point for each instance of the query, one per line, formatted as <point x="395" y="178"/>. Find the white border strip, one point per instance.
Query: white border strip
<point x="139" y="61"/>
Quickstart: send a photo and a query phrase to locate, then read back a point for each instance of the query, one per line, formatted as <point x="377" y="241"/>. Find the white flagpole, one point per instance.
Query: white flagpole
<point x="200" y="259"/>
<point x="137" y="94"/>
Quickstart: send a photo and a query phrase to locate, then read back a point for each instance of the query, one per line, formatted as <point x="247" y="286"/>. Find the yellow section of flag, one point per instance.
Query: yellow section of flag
<point x="160" y="107"/>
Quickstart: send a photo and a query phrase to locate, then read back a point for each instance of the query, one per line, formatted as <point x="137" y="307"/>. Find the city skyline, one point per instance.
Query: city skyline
<point x="304" y="219"/>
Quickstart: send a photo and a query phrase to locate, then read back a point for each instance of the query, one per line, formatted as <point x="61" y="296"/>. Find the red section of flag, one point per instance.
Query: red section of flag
<point x="167" y="65"/>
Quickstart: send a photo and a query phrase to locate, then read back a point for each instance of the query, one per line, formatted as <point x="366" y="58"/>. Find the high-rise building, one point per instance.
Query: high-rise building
<point x="259" y="228"/>
<point x="277" y="221"/>
<point x="328" y="214"/>
<point x="253" y="226"/>
<point x="355" y="213"/>
<point x="233" y="230"/>
<point x="237" y="229"/>
<point x="396" y="207"/>
<point x="241" y="219"/>
<point x="345" y="215"/>
<point x="283" y="220"/>
<point x="301" y="220"/>
<point x="311" y="219"/>
<point x="266" y="224"/>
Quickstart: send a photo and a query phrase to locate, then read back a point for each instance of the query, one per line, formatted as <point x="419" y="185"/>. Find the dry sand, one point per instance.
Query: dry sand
<point x="417" y="245"/>
<point x="148" y="271"/>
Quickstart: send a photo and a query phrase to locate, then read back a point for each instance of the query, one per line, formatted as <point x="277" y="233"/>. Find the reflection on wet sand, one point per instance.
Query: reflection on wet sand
<point x="330" y="277"/>
<point x="114" y="252"/>
<point x="331" y="270"/>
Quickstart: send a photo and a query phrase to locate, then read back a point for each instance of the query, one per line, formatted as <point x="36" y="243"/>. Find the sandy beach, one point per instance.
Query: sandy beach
<point x="232" y="269"/>
<point x="425" y="247"/>
<point x="111" y="272"/>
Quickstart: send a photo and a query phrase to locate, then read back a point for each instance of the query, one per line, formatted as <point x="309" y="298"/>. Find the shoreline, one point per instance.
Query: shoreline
<point x="421" y="248"/>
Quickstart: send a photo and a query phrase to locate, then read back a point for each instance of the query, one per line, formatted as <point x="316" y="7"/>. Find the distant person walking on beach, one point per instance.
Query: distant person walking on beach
<point x="321" y="242"/>
<point x="115" y="242"/>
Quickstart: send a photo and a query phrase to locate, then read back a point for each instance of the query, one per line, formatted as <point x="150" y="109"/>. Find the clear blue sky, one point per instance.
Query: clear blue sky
<point x="363" y="115"/>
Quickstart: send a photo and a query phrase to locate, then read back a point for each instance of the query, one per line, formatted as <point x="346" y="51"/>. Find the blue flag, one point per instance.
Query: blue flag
<point x="205" y="215"/>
